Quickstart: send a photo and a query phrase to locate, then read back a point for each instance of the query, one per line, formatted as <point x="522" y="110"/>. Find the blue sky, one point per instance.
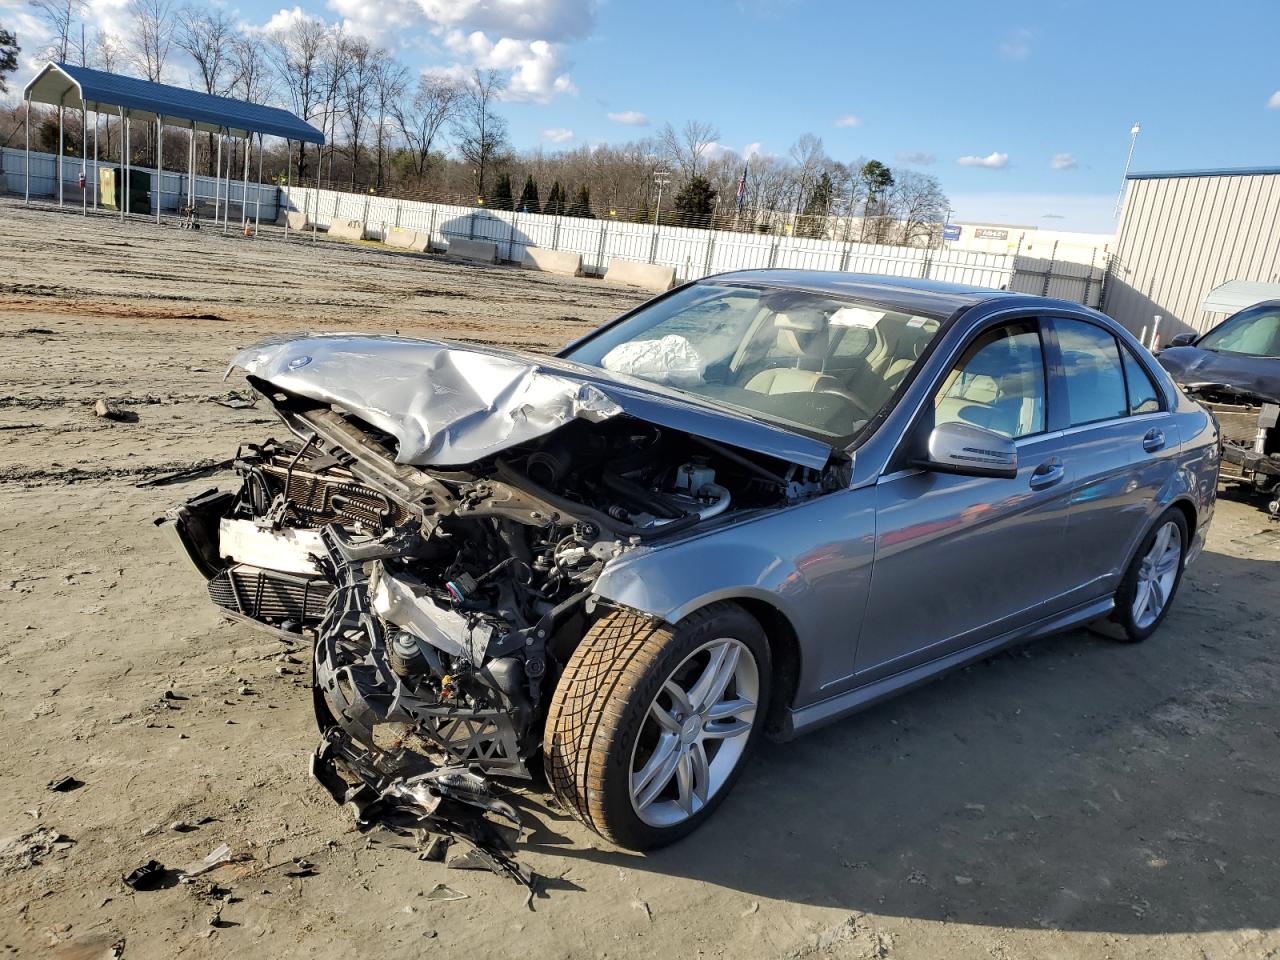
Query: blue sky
<point x="1022" y="110"/>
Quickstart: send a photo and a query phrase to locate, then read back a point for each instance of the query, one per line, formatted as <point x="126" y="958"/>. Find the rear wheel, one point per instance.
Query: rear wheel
<point x="650" y="725"/>
<point x="1148" y="587"/>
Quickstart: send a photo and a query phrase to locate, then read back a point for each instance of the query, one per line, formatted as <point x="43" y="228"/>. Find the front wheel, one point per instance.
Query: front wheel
<point x="650" y="724"/>
<point x="1147" y="590"/>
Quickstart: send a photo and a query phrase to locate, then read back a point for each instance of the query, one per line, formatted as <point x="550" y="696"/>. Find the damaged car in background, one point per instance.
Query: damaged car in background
<point x="1234" y="369"/>
<point x="627" y="562"/>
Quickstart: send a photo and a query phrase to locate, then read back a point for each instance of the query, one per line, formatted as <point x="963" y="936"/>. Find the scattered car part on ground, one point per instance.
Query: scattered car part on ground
<point x="629" y="560"/>
<point x="1234" y="369"/>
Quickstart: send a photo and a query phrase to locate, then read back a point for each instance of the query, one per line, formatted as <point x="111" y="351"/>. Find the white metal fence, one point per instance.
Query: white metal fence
<point x="693" y="253"/>
<point x="170" y="188"/>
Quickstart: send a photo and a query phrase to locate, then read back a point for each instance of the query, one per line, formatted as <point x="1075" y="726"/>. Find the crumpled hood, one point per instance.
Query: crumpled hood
<point x="450" y="404"/>
<point x="1192" y="367"/>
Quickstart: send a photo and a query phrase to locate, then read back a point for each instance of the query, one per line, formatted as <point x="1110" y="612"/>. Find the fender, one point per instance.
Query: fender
<point x="820" y="587"/>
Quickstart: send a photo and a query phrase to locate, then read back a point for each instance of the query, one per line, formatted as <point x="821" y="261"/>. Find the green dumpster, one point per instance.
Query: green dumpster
<point x="109" y="183"/>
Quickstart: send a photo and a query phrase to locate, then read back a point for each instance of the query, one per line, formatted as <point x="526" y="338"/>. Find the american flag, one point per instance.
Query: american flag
<point x="742" y="186"/>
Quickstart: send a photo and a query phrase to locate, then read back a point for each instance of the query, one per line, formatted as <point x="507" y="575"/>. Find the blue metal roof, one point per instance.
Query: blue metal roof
<point x="69" y="85"/>
<point x="1214" y="172"/>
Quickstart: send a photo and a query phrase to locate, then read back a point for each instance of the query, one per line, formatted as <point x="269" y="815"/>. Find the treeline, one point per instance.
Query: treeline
<point x="441" y="135"/>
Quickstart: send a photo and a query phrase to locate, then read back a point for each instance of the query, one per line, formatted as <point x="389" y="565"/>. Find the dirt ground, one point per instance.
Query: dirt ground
<point x="1077" y="798"/>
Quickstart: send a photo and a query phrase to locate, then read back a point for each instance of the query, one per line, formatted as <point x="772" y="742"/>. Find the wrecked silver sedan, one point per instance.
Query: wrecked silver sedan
<point x="759" y="502"/>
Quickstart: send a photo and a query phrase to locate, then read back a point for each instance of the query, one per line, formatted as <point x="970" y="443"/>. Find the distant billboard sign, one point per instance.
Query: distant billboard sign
<point x="951" y="232"/>
<point x="986" y="233"/>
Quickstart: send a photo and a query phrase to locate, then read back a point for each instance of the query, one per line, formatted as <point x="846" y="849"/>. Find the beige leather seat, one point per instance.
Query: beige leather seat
<point x="803" y="336"/>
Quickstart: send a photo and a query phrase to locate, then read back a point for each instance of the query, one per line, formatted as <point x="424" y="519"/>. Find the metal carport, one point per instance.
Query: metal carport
<point x="67" y="86"/>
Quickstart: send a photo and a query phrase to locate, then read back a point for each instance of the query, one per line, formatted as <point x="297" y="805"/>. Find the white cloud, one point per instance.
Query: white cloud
<point x="916" y="158"/>
<point x="534" y="66"/>
<point x="632" y="118"/>
<point x="553" y="20"/>
<point x="753" y="150"/>
<point x="1016" y="44"/>
<point x="1064" y="161"/>
<point x="384" y="23"/>
<point x="848" y="120"/>
<point x="992" y="161"/>
<point x="557" y="135"/>
<point x="1274" y="102"/>
<point x="283" y="19"/>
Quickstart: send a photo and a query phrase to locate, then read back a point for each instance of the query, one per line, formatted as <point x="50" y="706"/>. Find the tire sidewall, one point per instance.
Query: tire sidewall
<point x="1128" y="585"/>
<point x="722" y="620"/>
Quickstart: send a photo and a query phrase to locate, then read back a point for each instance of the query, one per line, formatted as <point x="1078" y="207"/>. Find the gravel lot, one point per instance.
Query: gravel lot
<point x="1077" y="798"/>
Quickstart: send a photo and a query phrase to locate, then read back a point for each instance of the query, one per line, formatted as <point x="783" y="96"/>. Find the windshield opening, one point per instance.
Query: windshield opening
<point x="825" y="364"/>
<point x="1254" y="333"/>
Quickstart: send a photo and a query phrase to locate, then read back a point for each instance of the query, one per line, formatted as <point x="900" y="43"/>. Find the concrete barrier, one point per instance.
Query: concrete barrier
<point x="406" y="239"/>
<point x="347" y="229"/>
<point x="296" y="219"/>
<point x="482" y="251"/>
<point x="553" y="261"/>
<point x="651" y="276"/>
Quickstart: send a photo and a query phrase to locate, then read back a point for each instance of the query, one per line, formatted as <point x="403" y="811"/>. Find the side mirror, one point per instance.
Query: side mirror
<point x="1183" y="340"/>
<point x="970" y="451"/>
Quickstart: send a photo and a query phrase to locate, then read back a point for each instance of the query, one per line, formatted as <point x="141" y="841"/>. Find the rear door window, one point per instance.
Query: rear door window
<point x="1095" y="382"/>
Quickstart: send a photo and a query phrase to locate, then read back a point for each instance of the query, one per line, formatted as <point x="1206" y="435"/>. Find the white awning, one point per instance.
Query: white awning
<point x="1235" y="295"/>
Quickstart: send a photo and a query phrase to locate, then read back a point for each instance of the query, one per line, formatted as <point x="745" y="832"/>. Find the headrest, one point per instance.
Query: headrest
<point x="806" y="321"/>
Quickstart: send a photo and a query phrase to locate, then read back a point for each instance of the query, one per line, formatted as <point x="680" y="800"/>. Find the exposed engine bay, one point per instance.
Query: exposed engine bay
<point x="445" y="602"/>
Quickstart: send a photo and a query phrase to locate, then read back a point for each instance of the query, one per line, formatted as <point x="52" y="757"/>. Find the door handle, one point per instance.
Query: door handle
<point x="1047" y="474"/>
<point x="1153" y="441"/>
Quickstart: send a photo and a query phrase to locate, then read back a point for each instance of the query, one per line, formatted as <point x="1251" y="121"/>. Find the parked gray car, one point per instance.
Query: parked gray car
<point x="757" y="503"/>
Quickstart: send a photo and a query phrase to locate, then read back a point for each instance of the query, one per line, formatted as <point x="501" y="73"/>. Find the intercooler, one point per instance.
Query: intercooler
<point x="270" y="595"/>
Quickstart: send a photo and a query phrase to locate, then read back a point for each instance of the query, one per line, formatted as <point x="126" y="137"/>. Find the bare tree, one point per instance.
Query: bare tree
<point x="433" y="105"/>
<point x="205" y="35"/>
<point x="153" y="33"/>
<point x="61" y="17"/>
<point x="481" y="133"/>
<point x="688" y="148"/>
<point x="335" y="62"/>
<point x="356" y="92"/>
<point x="251" y="66"/>
<point x="390" y="80"/>
<point x="919" y="206"/>
<point x="298" y="51"/>
<point x="108" y="52"/>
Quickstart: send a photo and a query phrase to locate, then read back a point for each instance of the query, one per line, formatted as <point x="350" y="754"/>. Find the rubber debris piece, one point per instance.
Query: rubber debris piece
<point x="65" y="784"/>
<point x="149" y="876"/>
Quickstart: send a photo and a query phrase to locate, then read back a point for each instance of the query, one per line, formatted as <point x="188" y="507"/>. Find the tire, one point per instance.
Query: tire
<point x="1133" y="619"/>
<point x="603" y="724"/>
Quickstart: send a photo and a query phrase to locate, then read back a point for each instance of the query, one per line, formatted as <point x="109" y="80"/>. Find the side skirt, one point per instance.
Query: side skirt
<point x="860" y="698"/>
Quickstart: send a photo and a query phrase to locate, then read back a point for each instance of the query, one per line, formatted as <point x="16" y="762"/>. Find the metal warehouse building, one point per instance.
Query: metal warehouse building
<point x="1183" y="234"/>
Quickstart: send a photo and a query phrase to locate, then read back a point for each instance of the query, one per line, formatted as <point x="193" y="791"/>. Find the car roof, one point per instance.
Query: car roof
<point x="905" y="294"/>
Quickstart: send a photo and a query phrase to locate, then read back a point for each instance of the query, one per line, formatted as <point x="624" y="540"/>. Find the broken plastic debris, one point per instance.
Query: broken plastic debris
<point x="443" y="893"/>
<point x="65" y="784"/>
<point x="216" y="857"/>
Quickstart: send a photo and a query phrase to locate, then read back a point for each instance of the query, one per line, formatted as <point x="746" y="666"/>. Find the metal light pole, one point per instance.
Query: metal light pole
<point x="661" y="178"/>
<point x="1133" y="140"/>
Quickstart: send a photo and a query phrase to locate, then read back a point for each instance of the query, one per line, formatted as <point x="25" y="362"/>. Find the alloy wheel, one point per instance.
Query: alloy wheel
<point x="695" y="732"/>
<point x="1157" y="575"/>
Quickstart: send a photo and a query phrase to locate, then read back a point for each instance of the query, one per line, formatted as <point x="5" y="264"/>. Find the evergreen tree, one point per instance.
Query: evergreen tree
<point x="581" y="206"/>
<point x="529" y="202"/>
<point x="8" y="57"/>
<point x="502" y="193"/>
<point x="695" y="202"/>
<point x="555" y="201"/>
